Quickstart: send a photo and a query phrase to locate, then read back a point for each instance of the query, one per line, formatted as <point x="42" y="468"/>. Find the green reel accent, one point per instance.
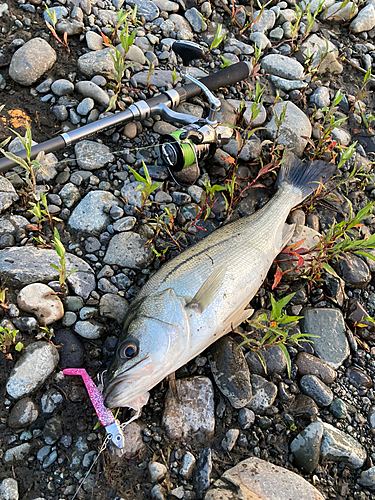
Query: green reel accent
<point x="187" y="147"/>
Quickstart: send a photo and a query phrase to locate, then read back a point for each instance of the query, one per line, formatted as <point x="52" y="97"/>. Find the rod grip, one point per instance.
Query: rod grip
<point x="223" y="78"/>
<point x="48" y="147"/>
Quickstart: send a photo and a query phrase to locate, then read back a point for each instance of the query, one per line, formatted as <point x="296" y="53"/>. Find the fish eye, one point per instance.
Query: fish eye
<point x="128" y="350"/>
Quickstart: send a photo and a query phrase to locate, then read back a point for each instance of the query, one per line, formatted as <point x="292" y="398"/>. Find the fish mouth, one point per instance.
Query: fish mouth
<point x="127" y="385"/>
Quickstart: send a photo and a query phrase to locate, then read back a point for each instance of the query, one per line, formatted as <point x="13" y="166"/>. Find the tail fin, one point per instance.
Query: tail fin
<point x="304" y="176"/>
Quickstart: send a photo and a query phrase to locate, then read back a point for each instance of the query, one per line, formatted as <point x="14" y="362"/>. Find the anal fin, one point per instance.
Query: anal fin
<point x="235" y="319"/>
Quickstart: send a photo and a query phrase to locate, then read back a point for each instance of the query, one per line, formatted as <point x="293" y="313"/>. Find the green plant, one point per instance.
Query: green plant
<point x="275" y="328"/>
<point x="31" y="166"/>
<point x="120" y="67"/>
<point x="361" y="92"/>
<point x="60" y="250"/>
<point x="175" y="76"/>
<point x="226" y="62"/>
<point x="218" y="38"/>
<point x="45" y="333"/>
<point x="151" y="69"/>
<point x="147" y="186"/>
<point x="52" y="28"/>
<point x="7" y="339"/>
<point x="3" y="301"/>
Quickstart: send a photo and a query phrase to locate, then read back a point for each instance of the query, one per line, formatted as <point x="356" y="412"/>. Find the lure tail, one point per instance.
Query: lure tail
<point x="304" y="177"/>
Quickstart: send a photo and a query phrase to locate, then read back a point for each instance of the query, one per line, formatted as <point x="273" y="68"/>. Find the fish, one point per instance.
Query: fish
<point x="204" y="292"/>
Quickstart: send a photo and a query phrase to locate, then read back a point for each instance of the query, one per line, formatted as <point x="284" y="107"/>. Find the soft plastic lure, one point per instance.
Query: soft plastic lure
<point x="105" y="415"/>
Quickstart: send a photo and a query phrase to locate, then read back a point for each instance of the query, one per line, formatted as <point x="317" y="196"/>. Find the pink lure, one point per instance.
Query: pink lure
<point x="105" y="415"/>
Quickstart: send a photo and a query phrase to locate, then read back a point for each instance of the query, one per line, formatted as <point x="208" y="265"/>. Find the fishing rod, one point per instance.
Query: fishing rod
<point x="197" y="140"/>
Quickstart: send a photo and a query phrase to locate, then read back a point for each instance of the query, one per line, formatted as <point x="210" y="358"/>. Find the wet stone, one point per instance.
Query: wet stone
<point x="23" y="413"/>
<point x="358" y="378"/>
<point x="306" y="447"/>
<point x="264" y="394"/>
<point x="71" y="350"/>
<point x="331" y="344"/>
<point x="274" y="359"/>
<point x="38" y="362"/>
<point x="311" y="365"/>
<point x="338" y="408"/>
<point x="9" y="488"/>
<point x="257" y="479"/>
<point x="337" y="446"/>
<point x="230" y="371"/>
<point x="304" y="407"/>
<point x="316" y="389"/>
<point x="194" y="414"/>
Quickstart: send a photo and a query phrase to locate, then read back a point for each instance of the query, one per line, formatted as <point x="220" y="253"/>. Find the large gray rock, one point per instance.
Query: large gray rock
<point x="145" y="8"/>
<point x="324" y="53"/>
<point x="308" y="364"/>
<point x="159" y="78"/>
<point x="256" y="479"/>
<point x="306" y="447"/>
<point x="24" y="265"/>
<point x="92" y="155"/>
<point x="7" y="194"/>
<point x="9" y="489"/>
<point x="90" y="89"/>
<point x="265" y="20"/>
<point x="11" y="223"/>
<point x="89" y="216"/>
<point x="295" y="126"/>
<point x="98" y="62"/>
<point x="128" y="249"/>
<point x="230" y="371"/>
<point x="331" y="344"/>
<point x="340" y="447"/>
<point x="339" y="13"/>
<point x="38" y="362"/>
<point x="31" y="61"/>
<point x="283" y="66"/>
<point x="365" y="20"/>
<point x="194" y="413"/>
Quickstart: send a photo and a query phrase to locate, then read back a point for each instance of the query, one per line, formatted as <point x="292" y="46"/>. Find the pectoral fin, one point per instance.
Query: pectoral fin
<point x="208" y="291"/>
<point x="288" y="231"/>
<point x="236" y="319"/>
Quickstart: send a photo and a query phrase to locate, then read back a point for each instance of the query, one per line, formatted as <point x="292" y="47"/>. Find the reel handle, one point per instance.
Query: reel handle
<point x="188" y="51"/>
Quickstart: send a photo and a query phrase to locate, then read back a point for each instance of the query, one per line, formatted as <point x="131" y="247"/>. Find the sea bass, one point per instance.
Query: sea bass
<point x="203" y="293"/>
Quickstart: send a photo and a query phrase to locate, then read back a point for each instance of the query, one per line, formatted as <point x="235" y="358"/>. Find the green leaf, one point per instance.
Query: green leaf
<point x="365" y="254"/>
<point x="329" y="269"/>
<point x="287" y="357"/>
<point x="138" y="177"/>
<point x="19" y="346"/>
<point x="16" y="159"/>
<point x="55" y="267"/>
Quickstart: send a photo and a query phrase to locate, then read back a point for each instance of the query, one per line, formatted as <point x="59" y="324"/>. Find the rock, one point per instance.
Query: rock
<point x="31" y="61"/>
<point x="62" y="87"/>
<point x="358" y="378"/>
<point x="99" y="62"/>
<point x="41" y="300"/>
<point x="187" y="465"/>
<point x="51" y="400"/>
<point x="260" y="40"/>
<point x="304" y="407"/>
<point x="274" y="360"/>
<point x="331" y="344"/>
<point x="356" y="315"/>
<point x="306" y="447"/>
<point x="127" y="223"/>
<point x="17" y="453"/>
<point x="314" y="4"/>
<point x="320" y="97"/>
<point x="60" y="112"/>
<point x="316" y="389"/>
<point x="340" y="447"/>
<point x="37" y="363"/>
<point x="158" y="492"/>
<point x="94" y="41"/>
<point x="157" y="471"/>
<point x="128" y="249"/>
<point x="92" y="155"/>
<point x="23" y="413"/>
<point x="10" y="224"/>
<point x="230" y="371"/>
<point x="25" y="265"/>
<point x="256" y="479"/>
<point x="204" y="469"/>
<point x="113" y="307"/>
<point x="338" y="408"/>
<point x="89" y="329"/>
<point x="70" y="195"/>
<point x="9" y="488"/>
<point x="70" y="27"/>
<point x="295" y="126"/>
<point x="337" y="13"/>
<point x="145" y="8"/>
<point x="132" y="193"/>
<point x="135" y="54"/>
<point x="367" y="478"/>
<point x="365" y="20"/>
<point x="71" y="350"/>
<point x="89" y="216"/>
<point x="264" y="394"/>
<point x="341" y="136"/>
<point x="287" y="85"/>
<point x="193" y="415"/>
<point x="52" y="430"/>
<point x="282" y="66"/>
<point x="196" y="20"/>
<point x="308" y="364"/>
<point x="133" y="438"/>
<point x="354" y="271"/>
<point x="265" y="22"/>
<point x="230" y="440"/>
<point x="325" y="63"/>
<point x="258" y="120"/>
<point x="159" y="78"/>
<point x="90" y="89"/>
<point x="7" y="194"/>
<point x="85" y="106"/>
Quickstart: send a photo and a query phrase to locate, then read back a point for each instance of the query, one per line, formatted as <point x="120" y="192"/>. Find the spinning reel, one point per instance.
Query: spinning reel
<point x="198" y="140"/>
